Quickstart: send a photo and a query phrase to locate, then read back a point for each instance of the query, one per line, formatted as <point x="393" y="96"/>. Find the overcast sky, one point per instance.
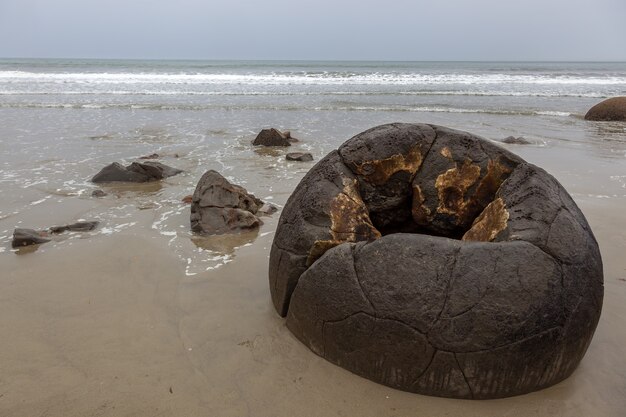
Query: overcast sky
<point x="320" y="29"/>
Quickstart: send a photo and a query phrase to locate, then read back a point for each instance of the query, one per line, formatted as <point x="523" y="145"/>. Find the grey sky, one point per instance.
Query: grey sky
<point x="320" y="29"/>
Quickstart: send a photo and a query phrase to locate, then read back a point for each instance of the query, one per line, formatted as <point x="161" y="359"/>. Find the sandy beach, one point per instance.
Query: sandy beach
<point x="112" y="327"/>
<point x="142" y="318"/>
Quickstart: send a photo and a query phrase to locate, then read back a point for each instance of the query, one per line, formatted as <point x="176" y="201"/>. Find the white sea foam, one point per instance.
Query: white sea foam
<point x="34" y="91"/>
<point x="302" y="78"/>
<point x="34" y="203"/>
<point x="553" y="113"/>
<point x="347" y="107"/>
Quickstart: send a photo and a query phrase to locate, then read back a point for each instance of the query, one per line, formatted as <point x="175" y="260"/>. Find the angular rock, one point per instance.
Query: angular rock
<point x="299" y="156"/>
<point x="612" y="109"/>
<point x="27" y="237"/>
<point x="272" y="137"/>
<point x="135" y="172"/>
<point x="432" y="261"/>
<point x="221" y="207"/>
<point x="75" y="227"/>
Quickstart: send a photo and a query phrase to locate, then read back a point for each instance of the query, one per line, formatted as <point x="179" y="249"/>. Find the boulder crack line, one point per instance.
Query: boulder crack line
<point x="469" y="387"/>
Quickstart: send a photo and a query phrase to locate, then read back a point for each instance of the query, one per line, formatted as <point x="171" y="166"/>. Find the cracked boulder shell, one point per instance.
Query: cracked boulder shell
<point x="432" y="261"/>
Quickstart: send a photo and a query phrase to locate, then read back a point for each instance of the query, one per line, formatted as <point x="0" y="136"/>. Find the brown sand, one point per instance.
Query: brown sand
<point x="111" y="326"/>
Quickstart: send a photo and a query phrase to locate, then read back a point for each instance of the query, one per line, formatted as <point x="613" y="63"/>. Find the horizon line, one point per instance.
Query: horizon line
<point x="316" y="60"/>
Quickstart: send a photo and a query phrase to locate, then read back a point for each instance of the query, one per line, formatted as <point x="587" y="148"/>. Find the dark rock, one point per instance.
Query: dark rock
<point x="299" y="156"/>
<point x="433" y="261"/>
<point x="75" y="227"/>
<point x="612" y="109"/>
<point x="135" y="172"/>
<point x="151" y="156"/>
<point x="512" y="140"/>
<point x="221" y="207"/>
<point x="98" y="193"/>
<point x="272" y="137"/>
<point x="27" y="237"/>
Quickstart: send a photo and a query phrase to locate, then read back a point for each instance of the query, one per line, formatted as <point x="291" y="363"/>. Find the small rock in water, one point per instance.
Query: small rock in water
<point x="147" y="206"/>
<point x="151" y="156"/>
<point x="221" y="207"/>
<point x="267" y="209"/>
<point x="75" y="227"/>
<point x="27" y="237"/>
<point x="287" y="134"/>
<point x="272" y="137"/>
<point x="187" y="199"/>
<point x="135" y="172"/>
<point x="512" y="140"/>
<point x="98" y="193"/>
<point x="299" y="156"/>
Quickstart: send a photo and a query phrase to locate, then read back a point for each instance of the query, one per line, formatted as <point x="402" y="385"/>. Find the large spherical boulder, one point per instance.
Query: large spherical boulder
<point x="612" y="109"/>
<point x="433" y="261"/>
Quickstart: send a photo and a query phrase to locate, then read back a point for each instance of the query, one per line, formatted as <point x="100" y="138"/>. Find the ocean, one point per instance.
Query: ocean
<point x="61" y="121"/>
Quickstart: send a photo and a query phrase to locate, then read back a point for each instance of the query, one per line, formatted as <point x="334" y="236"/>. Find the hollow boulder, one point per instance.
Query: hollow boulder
<point x="432" y="261"/>
<point x="612" y="109"/>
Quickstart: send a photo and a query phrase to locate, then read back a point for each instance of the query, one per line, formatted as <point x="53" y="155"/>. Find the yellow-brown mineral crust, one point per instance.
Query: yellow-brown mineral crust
<point x="452" y="188"/>
<point x="491" y="221"/>
<point x="419" y="211"/>
<point x="378" y="172"/>
<point x="350" y="221"/>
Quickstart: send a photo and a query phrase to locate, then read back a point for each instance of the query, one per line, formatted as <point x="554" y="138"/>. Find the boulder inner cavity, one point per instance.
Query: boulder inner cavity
<point x="427" y="182"/>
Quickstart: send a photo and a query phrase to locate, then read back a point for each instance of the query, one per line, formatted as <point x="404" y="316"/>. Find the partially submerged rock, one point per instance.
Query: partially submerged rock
<point x="273" y="137"/>
<point x="612" y="109"/>
<point x="135" y="172"/>
<point x="221" y="207"/>
<point x="512" y="140"/>
<point x="299" y="156"/>
<point x="98" y="193"/>
<point x="84" y="226"/>
<point x="151" y="156"/>
<point x="267" y="209"/>
<point x="26" y="237"/>
<point x="431" y="260"/>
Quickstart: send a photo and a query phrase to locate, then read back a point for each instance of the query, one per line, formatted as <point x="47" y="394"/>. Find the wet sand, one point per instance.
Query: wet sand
<point x="141" y="318"/>
<point x="111" y="325"/>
